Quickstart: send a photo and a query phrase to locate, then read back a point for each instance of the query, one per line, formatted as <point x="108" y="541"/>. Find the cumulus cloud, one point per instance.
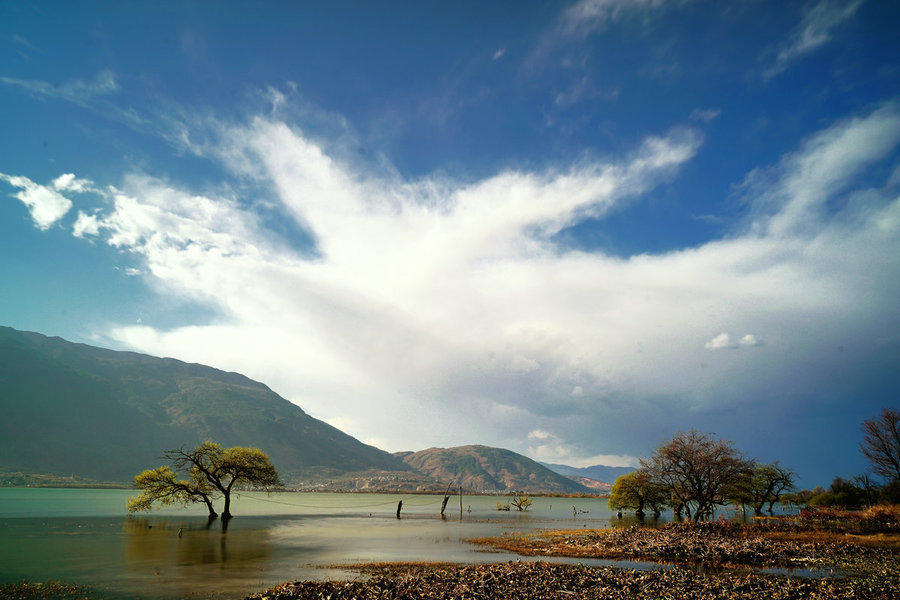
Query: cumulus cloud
<point x="46" y="205"/>
<point x="815" y="30"/>
<point x="723" y="341"/>
<point x="85" y="225"/>
<point x="67" y="182"/>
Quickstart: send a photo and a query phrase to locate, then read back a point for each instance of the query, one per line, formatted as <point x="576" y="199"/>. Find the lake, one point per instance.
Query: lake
<point x="86" y="537"/>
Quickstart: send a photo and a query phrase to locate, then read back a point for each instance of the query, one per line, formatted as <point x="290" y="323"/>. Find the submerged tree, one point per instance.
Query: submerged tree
<point x="211" y="471"/>
<point x="161" y="485"/>
<point x="881" y="444"/>
<point x="768" y="482"/>
<point x="638" y="490"/>
<point x="698" y="470"/>
<point x="520" y="501"/>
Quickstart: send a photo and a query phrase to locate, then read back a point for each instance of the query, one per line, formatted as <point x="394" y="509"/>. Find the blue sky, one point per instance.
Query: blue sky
<point x="569" y="229"/>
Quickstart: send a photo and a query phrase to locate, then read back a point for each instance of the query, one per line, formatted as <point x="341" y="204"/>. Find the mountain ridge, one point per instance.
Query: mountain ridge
<point x="106" y="414"/>
<point x="85" y="413"/>
<point x="489" y="469"/>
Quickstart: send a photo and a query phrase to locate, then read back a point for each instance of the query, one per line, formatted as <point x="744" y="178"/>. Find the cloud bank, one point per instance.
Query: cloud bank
<point x="436" y="312"/>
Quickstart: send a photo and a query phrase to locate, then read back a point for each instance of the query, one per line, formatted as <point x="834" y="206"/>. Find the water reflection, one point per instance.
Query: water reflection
<point x="186" y="556"/>
<point x="177" y="553"/>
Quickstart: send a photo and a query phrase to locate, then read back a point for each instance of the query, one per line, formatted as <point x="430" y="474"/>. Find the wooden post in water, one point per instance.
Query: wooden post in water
<point x="446" y="498"/>
<point x="399" y="506"/>
<point x="460" y="503"/>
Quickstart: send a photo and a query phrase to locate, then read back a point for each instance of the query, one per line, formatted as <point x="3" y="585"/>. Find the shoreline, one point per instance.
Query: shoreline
<point x="769" y="560"/>
<point x="697" y="561"/>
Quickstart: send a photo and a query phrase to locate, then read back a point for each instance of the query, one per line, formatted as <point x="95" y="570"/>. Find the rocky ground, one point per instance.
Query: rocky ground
<point x="719" y="544"/>
<point x="544" y="581"/>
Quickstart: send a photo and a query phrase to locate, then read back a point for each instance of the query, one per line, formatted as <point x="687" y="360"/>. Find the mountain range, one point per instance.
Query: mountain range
<point x="101" y="415"/>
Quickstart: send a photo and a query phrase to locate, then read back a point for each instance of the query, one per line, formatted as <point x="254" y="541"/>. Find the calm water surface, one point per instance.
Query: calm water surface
<point x="87" y="537"/>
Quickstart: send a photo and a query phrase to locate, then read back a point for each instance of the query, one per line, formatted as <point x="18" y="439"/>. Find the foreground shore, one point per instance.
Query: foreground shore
<point x="697" y="561"/>
<point x="541" y="580"/>
<point x="823" y="557"/>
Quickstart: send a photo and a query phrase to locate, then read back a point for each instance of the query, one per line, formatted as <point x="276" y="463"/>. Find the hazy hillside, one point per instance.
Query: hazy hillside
<point x="597" y="472"/>
<point x="482" y="468"/>
<point x="76" y="409"/>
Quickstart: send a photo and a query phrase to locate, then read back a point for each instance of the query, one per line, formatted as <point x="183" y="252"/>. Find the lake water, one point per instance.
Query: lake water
<point x="87" y="537"/>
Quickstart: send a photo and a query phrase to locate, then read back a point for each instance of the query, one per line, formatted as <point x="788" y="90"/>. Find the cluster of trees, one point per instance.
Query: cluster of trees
<point x="881" y="446"/>
<point x="694" y="472"/>
<point x="209" y="471"/>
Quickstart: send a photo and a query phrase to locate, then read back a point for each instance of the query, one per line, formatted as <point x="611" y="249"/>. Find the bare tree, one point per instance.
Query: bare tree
<point x="698" y="469"/>
<point x="881" y="444"/>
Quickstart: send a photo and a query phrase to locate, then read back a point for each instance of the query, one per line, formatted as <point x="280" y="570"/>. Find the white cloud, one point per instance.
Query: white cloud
<point x="796" y="196"/>
<point x="549" y="447"/>
<point x="46" y="205"/>
<point x="449" y="303"/>
<point x="69" y="183"/>
<point x="499" y="54"/>
<point x="723" y="341"/>
<point x="814" y="31"/>
<point x="749" y="341"/>
<point x="85" y="225"/>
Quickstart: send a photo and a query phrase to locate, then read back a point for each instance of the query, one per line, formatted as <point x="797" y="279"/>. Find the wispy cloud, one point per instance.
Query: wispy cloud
<point x="586" y="16"/>
<point x="814" y="31"/>
<point x="75" y="90"/>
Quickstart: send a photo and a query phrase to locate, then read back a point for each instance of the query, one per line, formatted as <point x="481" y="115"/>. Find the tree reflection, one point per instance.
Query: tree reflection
<point x="185" y="548"/>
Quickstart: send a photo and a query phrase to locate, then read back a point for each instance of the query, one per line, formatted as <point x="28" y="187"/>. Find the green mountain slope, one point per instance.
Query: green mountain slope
<point x="100" y="414"/>
<point x="486" y="469"/>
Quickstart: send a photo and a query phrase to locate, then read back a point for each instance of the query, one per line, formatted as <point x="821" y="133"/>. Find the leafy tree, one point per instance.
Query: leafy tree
<point x="638" y="490"/>
<point x="767" y="483"/>
<point x="161" y="485"/>
<point x="881" y="444"/>
<point x="211" y="471"/>
<point x="697" y="469"/>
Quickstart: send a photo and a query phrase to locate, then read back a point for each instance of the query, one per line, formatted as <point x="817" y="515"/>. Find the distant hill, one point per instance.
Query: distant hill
<point x="486" y="469"/>
<point x="81" y="411"/>
<point x="597" y="472"/>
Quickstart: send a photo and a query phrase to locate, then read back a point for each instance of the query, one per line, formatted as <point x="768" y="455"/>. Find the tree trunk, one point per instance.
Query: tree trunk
<point x="226" y="511"/>
<point x="209" y="505"/>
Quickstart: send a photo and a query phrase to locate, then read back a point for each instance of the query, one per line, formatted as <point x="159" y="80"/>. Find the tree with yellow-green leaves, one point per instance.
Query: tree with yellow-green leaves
<point x="638" y="490"/>
<point x="211" y="471"/>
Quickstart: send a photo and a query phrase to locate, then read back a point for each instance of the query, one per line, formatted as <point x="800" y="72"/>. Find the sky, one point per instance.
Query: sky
<point x="569" y="229"/>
